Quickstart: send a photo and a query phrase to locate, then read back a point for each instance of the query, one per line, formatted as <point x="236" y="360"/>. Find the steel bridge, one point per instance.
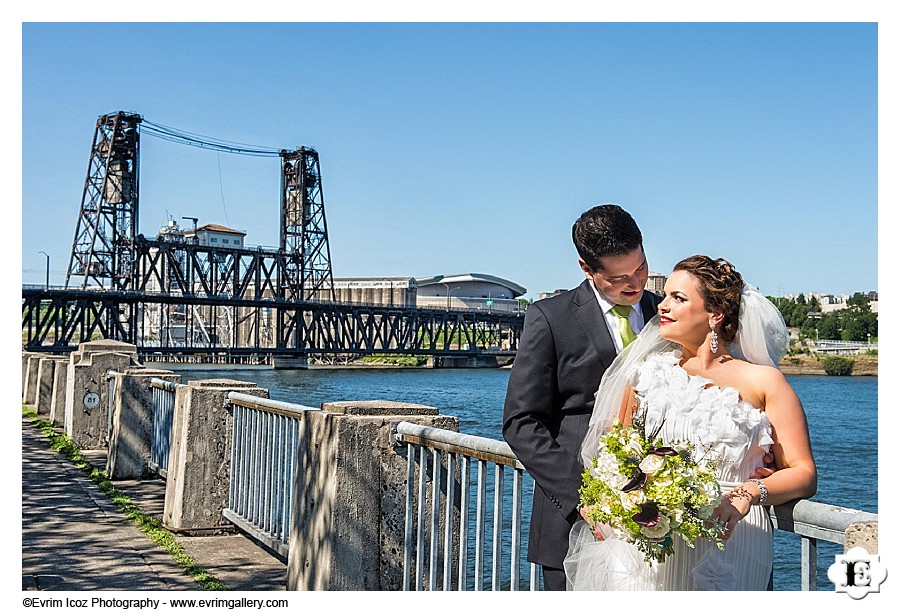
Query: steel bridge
<point x="172" y="296"/>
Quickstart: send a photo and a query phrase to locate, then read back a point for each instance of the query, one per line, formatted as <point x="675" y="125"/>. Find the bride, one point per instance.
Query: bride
<point x="705" y="369"/>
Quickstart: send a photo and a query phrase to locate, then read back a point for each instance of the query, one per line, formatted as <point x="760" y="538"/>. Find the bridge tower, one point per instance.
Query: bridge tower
<point x="304" y="234"/>
<point x="103" y="249"/>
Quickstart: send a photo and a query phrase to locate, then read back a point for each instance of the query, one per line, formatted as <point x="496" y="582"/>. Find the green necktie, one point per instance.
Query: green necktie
<point x="622" y="311"/>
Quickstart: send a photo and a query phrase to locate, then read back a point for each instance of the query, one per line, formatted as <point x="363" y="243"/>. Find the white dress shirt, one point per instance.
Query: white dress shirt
<point x="635" y="317"/>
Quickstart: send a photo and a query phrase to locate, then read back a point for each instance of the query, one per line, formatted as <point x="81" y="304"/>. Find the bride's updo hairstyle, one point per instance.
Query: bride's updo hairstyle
<point x="720" y="287"/>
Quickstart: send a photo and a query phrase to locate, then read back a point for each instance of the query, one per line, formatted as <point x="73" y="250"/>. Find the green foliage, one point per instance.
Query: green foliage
<point x="395" y="360"/>
<point x="838" y="366"/>
<point x="830" y="327"/>
<point x="151" y="526"/>
<point x="795" y="311"/>
<point x="859" y="301"/>
<point x="854" y="323"/>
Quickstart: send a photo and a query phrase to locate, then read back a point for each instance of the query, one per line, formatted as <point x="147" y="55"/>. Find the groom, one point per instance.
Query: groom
<point x="568" y="342"/>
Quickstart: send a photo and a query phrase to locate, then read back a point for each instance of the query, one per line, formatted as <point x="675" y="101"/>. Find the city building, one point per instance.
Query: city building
<point x="391" y="291"/>
<point x="831" y="303"/>
<point x="474" y="291"/>
<point x="214" y="235"/>
<point x="656" y="283"/>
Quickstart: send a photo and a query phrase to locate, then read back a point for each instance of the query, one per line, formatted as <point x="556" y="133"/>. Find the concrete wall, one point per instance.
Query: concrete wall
<point x="132" y="423"/>
<point x="85" y="424"/>
<point x="348" y="519"/>
<point x="200" y="456"/>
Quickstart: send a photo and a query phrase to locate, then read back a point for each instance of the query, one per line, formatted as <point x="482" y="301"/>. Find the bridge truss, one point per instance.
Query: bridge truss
<point x="190" y="299"/>
<point x="57" y="320"/>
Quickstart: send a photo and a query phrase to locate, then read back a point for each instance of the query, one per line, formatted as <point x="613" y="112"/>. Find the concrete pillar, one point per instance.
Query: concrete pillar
<point x="87" y="402"/>
<point x="293" y="363"/>
<point x="862" y="534"/>
<point x="132" y="423"/>
<point x="348" y="517"/>
<point x="31" y="378"/>
<point x="43" y="396"/>
<point x="25" y="356"/>
<point x="58" y="394"/>
<point x="200" y="456"/>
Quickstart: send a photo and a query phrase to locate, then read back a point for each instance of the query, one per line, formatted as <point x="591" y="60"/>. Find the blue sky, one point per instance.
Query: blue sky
<point x="467" y="147"/>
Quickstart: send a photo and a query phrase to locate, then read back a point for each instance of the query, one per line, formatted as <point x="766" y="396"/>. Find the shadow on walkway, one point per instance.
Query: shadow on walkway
<point x="74" y="538"/>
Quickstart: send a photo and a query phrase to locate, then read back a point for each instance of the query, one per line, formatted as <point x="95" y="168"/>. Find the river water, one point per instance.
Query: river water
<point x="842" y="414"/>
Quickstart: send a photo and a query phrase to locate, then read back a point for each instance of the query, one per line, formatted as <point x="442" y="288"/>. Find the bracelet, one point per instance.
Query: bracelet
<point x="763" y="490"/>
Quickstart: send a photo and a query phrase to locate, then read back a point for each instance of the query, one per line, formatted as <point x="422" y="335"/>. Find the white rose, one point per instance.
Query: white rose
<point x="633" y="499"/>
<point x="652" y="463"/>
<point x="659" y="530"/>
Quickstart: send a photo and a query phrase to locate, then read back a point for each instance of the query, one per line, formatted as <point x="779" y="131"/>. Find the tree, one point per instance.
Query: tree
<point x="838" y="366"/>
<point x="858" y="325"/>
<point x="808" y="329"/>
<point x="859" y="301"/>
<point x="830" y="327"/>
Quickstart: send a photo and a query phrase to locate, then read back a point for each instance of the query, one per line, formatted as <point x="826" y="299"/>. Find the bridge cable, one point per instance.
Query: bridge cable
<point x="175" y="135"/>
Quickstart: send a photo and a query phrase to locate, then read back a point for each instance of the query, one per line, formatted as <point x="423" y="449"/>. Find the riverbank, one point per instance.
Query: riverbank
<point x="810" y="365"/>
<point x="791" y="365"/>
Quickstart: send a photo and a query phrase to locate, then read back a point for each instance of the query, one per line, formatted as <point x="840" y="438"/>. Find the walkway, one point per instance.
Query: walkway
<point x="75" y="538"/>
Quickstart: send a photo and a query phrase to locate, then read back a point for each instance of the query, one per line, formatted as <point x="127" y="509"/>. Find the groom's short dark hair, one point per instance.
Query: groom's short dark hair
<point x="605" y="230"/>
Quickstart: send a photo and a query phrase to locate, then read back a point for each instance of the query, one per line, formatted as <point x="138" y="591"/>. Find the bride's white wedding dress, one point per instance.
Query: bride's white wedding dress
<point x="690" y="408"/>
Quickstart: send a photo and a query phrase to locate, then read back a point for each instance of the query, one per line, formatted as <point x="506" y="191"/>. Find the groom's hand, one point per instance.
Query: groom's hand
<point x="768" y="469"/>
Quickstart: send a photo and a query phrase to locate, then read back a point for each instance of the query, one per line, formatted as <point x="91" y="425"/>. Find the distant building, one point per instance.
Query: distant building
<point x="391" y="291"/>
<point x="469" y="291"/>
<point x="214" y="235"/>
<point x="831" y="303"/>
<point x="656" y="283"/>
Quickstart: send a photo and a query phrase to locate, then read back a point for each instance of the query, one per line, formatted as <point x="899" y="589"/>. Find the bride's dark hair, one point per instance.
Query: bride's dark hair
<point x="720" y="287"/>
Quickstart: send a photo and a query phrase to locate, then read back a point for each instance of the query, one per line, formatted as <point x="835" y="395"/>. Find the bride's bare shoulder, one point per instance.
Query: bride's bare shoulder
<point x="767" y="382"/>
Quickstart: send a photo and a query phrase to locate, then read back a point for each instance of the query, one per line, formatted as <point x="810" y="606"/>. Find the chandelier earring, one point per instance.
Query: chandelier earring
<point x="713" y="339"/>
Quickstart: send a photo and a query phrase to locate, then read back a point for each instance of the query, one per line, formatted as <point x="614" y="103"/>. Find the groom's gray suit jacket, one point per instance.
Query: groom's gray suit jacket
<point x="564" y="350"/>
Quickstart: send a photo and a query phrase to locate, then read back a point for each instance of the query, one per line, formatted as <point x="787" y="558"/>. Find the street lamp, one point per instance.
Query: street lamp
<point x="448" y="292"/>
<point x="47" y="275"/>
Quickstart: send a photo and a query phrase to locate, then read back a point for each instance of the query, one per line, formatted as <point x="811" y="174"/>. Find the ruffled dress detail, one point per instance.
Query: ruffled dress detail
<point x="690" y="408"/>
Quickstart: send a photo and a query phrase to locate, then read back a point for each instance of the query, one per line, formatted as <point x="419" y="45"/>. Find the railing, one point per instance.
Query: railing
<point x="814" y="521"/>
<point x="265" y="442"/>
<point x="161" y="437"/>
<point x="811" y="521"/>
<point x="445" y="456"/>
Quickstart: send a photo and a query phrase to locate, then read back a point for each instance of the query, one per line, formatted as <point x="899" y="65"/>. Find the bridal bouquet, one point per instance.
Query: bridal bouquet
<point x="649" y="493"/>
